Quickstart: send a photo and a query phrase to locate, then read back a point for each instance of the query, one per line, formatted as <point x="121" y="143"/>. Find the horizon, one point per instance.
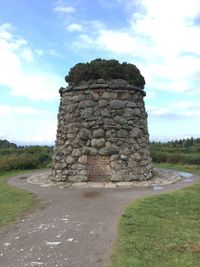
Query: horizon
<point x="38" y="49"/>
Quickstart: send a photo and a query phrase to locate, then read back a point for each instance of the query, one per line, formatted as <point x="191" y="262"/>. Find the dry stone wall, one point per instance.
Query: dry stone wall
<point x="102" y="133"/>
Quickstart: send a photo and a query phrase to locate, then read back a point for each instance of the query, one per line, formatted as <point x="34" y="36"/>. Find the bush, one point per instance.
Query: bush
<point x="13" y="157"/>
<point x="107" y="70"/>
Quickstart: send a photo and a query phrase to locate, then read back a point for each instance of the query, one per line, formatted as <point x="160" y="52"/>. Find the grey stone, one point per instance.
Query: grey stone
<point x="120" y="176"/>
<point x="98" y="142"/>
<point x="122" y="133"/>
<point x="124" y="184"/>
<point x="77" y="166"/>
<point x="108" y="151"/>
<point x="137" y="112"/>
<point x="71" y="108"/>
<point x="95" y="96"/>
<point x="116" y="165"/>
<point x="124" y="157"/>
<point x="86" y="103"/>
<point x="132" y="164"/>
<point x="70" y="136"/>
<point x="69" y="160"/>
<point x="108" y="121"/>
<point x="101" y="81"/>
<point x="114" y="157"/>
<point x="136" y="157"/>
<point x="98" y="133"/>
<point x="77" y="178"/>
<point x="106" y="113"/>
<point x="135" y="133"/>
<point x="98" y="86"/>
<point x="117" y="82"/>
<point x="117" y="104"/>
<point x="103" y="103"/>
<point x="80" y="87"/>
<point x="109" y="95"/>
<point x="83" y="159"/>
<point x="84" y="134"/>
<point x="131" y="105"/>
<point x="87" y="113"/>
<point x="76" y="152"/>
<point x="78" y="98"/>
<point x="89" y="151"/>
<point x="129" y="112"/>
<point x="120" y="120"/>
<point x="66" y="151"/>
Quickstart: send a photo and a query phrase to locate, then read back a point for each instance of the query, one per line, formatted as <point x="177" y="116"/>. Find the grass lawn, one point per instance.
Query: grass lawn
<point x="161" y="231"/>
<point x="13" y="201"/>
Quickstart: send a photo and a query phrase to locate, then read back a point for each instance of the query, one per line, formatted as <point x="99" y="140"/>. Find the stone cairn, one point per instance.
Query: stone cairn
<point x="102" y="133"/>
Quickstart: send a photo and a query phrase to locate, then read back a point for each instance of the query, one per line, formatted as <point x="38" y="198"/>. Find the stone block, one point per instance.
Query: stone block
<point x="103" y="103"/>
<point x="135" y="133"/>
<point x="86" y="103"/>
<point x="124" y="184"/>
<point x="117" y="104"/>
<point x="84" y="134"/>
<point x="98" y="142"/>
<point x="108" y="151"/>
<point x="70" y="160"/>
<point x="89" y="151"/>
<point x="120" y="120"/>
<point x="98" y="133"/>
<point x="76" y="152"/>
<point x="83" y="159"/>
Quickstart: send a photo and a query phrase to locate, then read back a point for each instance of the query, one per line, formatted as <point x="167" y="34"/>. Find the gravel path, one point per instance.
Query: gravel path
<point x="73" y="227"/>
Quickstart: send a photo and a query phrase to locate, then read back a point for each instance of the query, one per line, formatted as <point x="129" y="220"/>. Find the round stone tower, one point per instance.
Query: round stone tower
<point x="102" y="133"/>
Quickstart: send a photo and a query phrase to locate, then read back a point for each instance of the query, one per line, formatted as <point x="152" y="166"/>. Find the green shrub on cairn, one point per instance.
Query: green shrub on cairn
<point x="107" y="70"/>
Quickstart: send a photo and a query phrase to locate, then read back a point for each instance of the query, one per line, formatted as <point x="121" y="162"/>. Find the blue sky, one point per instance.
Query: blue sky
<point x="41" y="40"/>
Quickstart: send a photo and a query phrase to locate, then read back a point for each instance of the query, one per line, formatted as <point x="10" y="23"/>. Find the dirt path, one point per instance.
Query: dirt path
<point x="75" y="227"/>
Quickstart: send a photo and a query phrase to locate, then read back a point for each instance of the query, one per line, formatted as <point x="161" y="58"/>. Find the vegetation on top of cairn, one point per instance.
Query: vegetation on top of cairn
<point x="107" y="70"/>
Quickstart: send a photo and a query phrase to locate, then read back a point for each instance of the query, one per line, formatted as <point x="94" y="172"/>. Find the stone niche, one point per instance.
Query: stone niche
<point x="102" y="133"/>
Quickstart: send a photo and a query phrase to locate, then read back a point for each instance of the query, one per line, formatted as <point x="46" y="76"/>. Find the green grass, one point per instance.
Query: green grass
<point x="187" y="168"/>
<point x="161" y="231"/>
<point x="13" y="201"/>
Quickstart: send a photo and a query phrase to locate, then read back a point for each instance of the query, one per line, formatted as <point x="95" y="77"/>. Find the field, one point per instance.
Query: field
<point x="161" y="230"/>
<point x="13" y="201"/>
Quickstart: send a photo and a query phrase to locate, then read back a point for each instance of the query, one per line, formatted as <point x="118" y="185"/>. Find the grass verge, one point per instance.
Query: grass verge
<point x="161" y="231"/>
<point x="13" y="201"/>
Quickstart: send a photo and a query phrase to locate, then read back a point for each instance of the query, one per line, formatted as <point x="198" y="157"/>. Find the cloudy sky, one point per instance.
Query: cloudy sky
<point x="41" y="40"/>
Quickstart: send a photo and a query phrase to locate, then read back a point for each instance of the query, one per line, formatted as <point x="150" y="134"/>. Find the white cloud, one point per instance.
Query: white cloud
<point x="27" y="54"/>
<point x="31" y="125"/>
<point x="74" y="27"/>
<point x="160" y="38"/>
<point x="116" y="41"/>
<point x="7" y="110"/>
<point x="179" y="110"/>
<point x="53" y="53"/>
<point x="187" y="105"/>
<point x="64" y="9"/>
<point x="15" y="54"/>
<point x="39" y="52"/>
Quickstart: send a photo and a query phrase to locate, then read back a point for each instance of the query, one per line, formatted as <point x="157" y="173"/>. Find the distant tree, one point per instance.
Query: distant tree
<point x="7" y="144"/>
<point x="107" y="70"/>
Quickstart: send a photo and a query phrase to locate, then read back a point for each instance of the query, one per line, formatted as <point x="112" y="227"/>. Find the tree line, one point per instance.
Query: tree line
<point x="13" y="157"/>
<point x="183" y="151"/>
